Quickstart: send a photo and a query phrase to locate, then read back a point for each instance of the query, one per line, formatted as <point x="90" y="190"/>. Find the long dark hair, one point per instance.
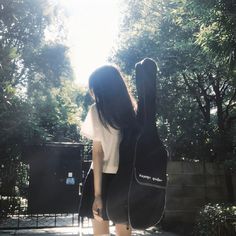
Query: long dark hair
<point x="113" y="101"/>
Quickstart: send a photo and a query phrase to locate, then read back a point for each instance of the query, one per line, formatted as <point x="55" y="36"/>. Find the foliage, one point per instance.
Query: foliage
<point x="37" y="91"/>
<point x="12" y="205"/>
<point x="215" y="220"/>
<point x="196" y="92"/>
<point x="217" y="31"/>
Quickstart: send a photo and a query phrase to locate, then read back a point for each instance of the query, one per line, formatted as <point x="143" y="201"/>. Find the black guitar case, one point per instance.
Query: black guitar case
<point x="137" y="195"/>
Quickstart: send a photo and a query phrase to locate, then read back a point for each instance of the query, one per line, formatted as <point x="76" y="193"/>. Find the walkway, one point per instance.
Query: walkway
<point x="72" y="231"/>
<point x="61" y="222"/>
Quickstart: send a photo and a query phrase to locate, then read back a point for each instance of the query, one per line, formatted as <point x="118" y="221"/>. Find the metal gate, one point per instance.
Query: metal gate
<point x="56" y="172"/>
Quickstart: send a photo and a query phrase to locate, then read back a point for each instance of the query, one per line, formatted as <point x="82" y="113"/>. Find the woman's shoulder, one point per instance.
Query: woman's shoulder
<point x="94" y="110"/>
<point x="94" y="115"/>
<point x="93" y="106"/>
<point x="108" y="129"/>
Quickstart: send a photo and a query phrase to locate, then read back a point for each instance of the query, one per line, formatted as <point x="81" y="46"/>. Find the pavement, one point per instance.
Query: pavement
<point x="72" y="231"/>
<point x="66" y="225"/>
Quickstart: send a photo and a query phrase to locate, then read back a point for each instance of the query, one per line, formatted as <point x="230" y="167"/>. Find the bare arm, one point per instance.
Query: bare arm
<point x="97" y="155"/>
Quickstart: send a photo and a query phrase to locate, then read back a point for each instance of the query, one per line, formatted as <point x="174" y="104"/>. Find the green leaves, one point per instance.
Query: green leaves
<point x="214" y="219"/>
<point x="192" y="43"/>
<point x="37" y="92"/>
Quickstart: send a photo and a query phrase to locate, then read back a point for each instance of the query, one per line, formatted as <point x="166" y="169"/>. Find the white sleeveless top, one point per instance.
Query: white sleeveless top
<point x="92" y="128"/>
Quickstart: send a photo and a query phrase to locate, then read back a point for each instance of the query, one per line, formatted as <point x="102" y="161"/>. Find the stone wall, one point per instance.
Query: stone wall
<point x="190" y="186"/>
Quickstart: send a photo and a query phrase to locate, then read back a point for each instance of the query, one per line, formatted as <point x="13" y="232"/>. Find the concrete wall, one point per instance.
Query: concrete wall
<point x="190" y="186"/>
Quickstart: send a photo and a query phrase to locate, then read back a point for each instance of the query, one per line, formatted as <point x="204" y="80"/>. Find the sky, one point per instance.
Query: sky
<point x="92" y="31"/>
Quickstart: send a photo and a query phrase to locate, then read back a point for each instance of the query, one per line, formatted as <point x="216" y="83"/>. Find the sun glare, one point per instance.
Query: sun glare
<point x="92" y="29"/>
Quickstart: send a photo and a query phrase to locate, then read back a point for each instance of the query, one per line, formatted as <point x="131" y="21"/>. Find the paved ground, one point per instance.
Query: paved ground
<point x="61" y="222"/>
<point x="72" y="231"/>
<point x="80" y="229"/>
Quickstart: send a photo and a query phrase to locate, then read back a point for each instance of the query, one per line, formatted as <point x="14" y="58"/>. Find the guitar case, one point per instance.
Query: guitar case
<point x="137" y="195"/>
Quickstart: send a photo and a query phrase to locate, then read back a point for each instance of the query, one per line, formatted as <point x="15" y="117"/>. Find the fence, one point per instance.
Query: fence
<point x="190" y="186"/>
<point x="55" y="172"/>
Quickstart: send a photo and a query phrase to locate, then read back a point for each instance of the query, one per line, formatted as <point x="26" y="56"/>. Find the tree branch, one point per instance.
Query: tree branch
<point x="229" y="104"/>
<point x="204" y="109"/>
<point x="224" y="87"/>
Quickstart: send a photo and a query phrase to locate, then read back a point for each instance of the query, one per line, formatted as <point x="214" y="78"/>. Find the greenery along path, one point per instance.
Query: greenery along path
<point x="193" y="42"/>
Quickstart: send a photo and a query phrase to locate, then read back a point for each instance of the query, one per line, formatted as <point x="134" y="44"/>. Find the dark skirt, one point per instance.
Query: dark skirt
<point x="86" y="203"/>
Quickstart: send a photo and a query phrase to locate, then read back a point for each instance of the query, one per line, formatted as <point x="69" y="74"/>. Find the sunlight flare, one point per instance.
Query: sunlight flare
<point x="92" y="30"/>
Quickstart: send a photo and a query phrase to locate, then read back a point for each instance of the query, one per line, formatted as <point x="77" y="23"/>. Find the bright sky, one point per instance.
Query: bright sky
<point x="93" y="28"/>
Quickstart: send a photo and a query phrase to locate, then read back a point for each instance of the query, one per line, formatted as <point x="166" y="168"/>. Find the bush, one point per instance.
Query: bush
<point x="216" y="220"/>
<point x="12" y="205"/>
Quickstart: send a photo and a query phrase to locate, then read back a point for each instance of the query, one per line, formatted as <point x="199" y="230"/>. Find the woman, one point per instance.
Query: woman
<point x="106" y="120"/>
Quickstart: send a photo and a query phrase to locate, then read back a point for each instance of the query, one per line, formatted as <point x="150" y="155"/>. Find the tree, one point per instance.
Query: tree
<point x="37" y="99"/>
<point x="196" y="86"/>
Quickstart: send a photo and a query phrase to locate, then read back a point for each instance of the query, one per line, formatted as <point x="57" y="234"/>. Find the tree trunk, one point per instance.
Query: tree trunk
<point x="229" y="185"/>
